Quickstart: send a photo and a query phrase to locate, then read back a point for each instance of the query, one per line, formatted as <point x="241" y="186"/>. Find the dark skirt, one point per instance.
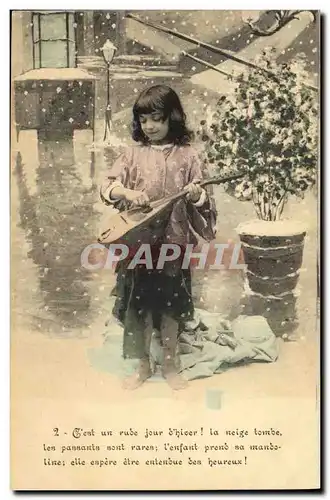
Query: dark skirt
<point x="141" y="291"/>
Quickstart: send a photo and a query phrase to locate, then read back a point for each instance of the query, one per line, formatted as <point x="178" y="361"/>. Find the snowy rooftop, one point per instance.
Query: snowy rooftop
<point x="55" y="74"/>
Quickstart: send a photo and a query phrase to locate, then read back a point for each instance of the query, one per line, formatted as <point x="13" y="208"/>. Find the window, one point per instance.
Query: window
<point x="53" y="35"/>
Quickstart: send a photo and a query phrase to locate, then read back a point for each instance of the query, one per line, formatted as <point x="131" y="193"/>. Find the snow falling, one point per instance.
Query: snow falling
<point x="57" y="185"/>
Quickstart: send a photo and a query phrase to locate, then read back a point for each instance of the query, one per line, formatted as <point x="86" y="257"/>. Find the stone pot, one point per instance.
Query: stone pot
<point x="273" y="253"/>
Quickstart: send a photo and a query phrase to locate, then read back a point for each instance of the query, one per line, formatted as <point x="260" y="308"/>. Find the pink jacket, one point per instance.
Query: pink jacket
<point x="163" y="171"/>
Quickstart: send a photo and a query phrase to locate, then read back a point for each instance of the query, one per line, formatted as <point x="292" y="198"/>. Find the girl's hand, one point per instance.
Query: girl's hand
<point x="137" y="198"/>
<point x="194" y="192"/>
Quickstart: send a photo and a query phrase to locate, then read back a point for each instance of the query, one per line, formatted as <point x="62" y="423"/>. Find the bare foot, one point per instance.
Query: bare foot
<point x="142" y="374"/>
<point x="174" y="379"/>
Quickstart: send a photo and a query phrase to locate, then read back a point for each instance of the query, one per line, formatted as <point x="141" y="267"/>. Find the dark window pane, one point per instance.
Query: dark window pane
<point x="53" y="26"/>
<point x="54" y="54"/>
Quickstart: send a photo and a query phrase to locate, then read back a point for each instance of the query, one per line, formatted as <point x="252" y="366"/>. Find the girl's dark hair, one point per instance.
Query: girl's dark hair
<point x="165" y="100"/>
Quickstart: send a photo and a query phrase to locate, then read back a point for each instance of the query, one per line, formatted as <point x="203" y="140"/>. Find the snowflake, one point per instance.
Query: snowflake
<point x="26" y="93"/>
<point x="193" y="68"/>
<point x="113" y="26"/>
<point x="74" y="25"/>
<point x="43" y="110"/>
<point x="58" y="90"/>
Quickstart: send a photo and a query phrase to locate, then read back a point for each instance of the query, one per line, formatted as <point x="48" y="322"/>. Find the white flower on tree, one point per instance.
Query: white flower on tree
<point x="268" y="129"/>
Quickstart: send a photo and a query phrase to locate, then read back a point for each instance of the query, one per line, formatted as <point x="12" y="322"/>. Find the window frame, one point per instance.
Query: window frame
<point x="36" y="44"/>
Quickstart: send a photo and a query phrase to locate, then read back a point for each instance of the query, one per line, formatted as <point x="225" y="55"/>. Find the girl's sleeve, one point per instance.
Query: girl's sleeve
<point x="203" y="213"/>
<point x="119" y="174"/>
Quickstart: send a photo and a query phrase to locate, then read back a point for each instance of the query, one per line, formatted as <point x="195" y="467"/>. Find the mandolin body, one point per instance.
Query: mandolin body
<point x="138" y="225"/>
<point x="146" y="224"/>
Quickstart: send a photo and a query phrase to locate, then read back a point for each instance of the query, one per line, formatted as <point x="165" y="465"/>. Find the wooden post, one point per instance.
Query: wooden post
<point x="89" y="33"/>
<point x="121" y="32"/>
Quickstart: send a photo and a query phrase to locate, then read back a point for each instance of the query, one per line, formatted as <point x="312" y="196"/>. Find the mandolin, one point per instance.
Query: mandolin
<point x="140" y="224"/>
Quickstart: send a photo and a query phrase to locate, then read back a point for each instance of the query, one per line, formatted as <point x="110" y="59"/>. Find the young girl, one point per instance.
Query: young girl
<point x="163" y="163"/>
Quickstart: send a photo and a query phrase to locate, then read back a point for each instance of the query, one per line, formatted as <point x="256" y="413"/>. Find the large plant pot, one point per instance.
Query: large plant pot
<point x="273" y="253"/>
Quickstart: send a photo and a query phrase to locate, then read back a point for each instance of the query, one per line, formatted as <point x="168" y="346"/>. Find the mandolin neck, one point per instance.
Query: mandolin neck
<point x="207" y="182"/>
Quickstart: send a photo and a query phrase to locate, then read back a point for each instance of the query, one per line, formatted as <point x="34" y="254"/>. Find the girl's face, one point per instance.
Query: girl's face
<point x="154" y="126"/>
